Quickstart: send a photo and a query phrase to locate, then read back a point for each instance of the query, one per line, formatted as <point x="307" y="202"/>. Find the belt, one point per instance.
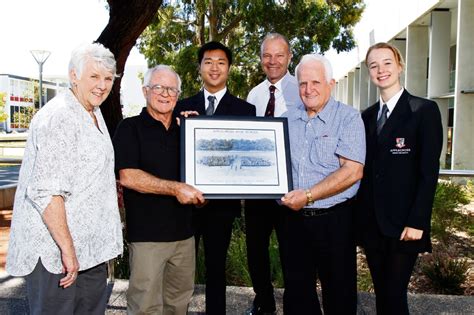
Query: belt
<point x="316" y="212"/>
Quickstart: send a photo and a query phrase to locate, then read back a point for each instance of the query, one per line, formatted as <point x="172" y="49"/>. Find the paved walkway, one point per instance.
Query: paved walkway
<point x="13" y="300"/>
<point x="9" y="175"/>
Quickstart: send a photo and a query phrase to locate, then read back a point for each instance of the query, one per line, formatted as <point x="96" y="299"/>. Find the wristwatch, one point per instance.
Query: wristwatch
<point x="309" y="197"/>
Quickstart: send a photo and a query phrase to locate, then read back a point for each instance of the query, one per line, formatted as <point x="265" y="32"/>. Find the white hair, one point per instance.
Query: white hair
<point x="149" y="73"/>
<point x="316" y="58"/>
<point x="95" y="51"/>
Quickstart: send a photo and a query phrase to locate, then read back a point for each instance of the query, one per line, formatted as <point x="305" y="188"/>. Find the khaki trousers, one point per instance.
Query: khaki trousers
<point x="161" y="277"/>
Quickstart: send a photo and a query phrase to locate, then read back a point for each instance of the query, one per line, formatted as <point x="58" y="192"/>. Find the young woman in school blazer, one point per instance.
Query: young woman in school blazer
<point x="395" y="198"/>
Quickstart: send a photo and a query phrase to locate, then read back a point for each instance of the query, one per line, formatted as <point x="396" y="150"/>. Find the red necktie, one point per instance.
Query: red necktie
<point x="270" y="111"/>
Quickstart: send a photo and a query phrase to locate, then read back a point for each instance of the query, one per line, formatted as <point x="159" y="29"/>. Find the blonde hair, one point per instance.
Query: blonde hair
<point x="396" y="53"/>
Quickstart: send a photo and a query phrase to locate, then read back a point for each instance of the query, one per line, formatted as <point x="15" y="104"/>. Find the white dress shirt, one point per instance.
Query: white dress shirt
<point x="218" y="95"/>
<point x="286" y="95"/>
<point x="390" y="103"/>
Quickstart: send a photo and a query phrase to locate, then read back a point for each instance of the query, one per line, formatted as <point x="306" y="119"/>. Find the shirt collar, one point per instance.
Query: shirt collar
<point x="324" y="115"/>
<point x="74" y="100"/>
<point x="279" y="83"/>
<point x="219" y="95"/>
<point x="391" y="102"/>
<point x="150" y="121"/>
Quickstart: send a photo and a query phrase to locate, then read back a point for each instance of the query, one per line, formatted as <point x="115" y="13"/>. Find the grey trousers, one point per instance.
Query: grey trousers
<point x="88" y="294"/>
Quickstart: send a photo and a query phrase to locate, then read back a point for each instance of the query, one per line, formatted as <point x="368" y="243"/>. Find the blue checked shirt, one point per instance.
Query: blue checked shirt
<point x="316" y="144"/>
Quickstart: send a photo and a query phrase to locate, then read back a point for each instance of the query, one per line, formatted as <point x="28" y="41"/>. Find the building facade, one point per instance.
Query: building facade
<point x="436" y="39"/>
<point x="21" y="98"/>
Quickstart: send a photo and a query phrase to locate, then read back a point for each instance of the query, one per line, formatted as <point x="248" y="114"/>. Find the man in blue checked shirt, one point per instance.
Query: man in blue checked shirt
<point x="327" y="141"/>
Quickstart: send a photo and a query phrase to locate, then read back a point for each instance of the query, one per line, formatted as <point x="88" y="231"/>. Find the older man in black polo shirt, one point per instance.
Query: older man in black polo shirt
<point x="158" y="215"/>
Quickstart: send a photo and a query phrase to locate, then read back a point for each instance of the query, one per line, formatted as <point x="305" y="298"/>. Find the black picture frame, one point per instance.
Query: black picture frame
<point x="236" y="157"/>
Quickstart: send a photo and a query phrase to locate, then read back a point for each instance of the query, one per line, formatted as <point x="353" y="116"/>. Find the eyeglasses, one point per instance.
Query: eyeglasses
<point x="160" y="89"/>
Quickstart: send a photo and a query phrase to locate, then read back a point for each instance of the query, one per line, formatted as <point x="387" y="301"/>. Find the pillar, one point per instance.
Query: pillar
<point x="350" y="89"/>
<point x="438" y="66"/>
<point x="416" y="60"/>
<point x="463" y="140"/>
<point x="356" y="89"/>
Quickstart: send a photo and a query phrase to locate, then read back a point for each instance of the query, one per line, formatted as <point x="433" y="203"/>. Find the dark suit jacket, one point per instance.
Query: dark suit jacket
<point x="401" y="168"/>
<point x="229" y="105"/>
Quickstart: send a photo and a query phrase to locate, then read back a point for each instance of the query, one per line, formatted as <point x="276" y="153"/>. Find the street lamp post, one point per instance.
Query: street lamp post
<point x="40" y="56"/>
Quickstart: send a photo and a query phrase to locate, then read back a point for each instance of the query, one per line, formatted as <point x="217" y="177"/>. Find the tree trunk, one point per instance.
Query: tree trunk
<point x="127" y="20"/>
<point x="213" y="19"/>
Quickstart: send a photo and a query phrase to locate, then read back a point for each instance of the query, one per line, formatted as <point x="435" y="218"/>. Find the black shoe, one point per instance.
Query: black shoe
<point x="257" y="311"/>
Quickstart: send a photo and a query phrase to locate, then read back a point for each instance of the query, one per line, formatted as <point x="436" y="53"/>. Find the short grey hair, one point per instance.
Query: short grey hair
<point x="272" y="36"/>
<point x="95" y="51"/>
<point x="149" y="74"/>
<point x="318" y="58"/>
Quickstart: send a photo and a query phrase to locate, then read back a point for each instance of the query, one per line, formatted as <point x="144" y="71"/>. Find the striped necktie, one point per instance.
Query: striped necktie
<point x="210" y="107"/>
<point x="382" y="119"/>
<point x="270" y="110"/>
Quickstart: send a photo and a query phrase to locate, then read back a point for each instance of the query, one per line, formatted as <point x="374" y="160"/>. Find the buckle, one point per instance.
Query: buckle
<point x="315" y="212"/>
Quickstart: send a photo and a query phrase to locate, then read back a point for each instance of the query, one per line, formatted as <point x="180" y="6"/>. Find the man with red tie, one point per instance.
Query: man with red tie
<point x="272" y="97"/>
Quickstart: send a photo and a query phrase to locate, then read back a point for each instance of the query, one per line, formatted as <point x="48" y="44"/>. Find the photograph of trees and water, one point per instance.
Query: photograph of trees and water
<point x="234" y="156"/>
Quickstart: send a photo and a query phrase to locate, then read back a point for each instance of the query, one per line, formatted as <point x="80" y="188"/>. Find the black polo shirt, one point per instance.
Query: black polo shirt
<point x="141" y="142"/>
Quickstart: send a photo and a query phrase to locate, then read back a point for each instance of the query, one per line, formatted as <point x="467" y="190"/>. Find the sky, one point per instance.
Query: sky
<point x="54" y="25"/>
<point x="61" y="25"/>
<point x="58" y="26"/>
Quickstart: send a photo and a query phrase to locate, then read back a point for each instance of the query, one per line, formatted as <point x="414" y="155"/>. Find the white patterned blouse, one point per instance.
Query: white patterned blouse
<point x="65" y="155"/>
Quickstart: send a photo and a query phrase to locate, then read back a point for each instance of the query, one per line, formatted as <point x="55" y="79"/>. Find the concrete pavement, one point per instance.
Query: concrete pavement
<point x="13" y="300"/>
<point x="9" y="175"/>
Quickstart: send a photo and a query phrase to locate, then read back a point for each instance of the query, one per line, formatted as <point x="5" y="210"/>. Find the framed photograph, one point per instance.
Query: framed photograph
<point x="236" y="157"/>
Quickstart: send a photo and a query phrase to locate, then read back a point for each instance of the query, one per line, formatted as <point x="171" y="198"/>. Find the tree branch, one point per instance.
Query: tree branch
<point x="232" y="25"/>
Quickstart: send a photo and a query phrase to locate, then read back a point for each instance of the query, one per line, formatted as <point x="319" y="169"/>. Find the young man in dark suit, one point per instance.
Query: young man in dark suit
<point x="214" y="221"/>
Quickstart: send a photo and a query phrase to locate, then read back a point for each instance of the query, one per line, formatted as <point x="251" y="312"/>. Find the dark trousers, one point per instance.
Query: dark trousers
<point x="391" y="273"/>
<point x="216" y="231"/>
<point x="261" y="217"/>
<point x="321" y="246"/>
<point x="88" y="294"/>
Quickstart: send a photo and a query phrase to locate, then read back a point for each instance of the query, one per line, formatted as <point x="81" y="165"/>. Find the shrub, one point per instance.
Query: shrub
<point x="236" y="265"/>
<point x="448" y="197"/>
<point x="121" y="265"/>
<point x="237" y="271"/>
<point x="446" y="273"/>
<point x="364" y="279"/>
<point x="200" y="273"/>
<point x="276" y="269"/>
<point x="23" y="117"/>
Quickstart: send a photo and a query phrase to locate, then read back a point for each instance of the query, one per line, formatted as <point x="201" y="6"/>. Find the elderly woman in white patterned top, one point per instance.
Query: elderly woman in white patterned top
<point x="66" y="223"/>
